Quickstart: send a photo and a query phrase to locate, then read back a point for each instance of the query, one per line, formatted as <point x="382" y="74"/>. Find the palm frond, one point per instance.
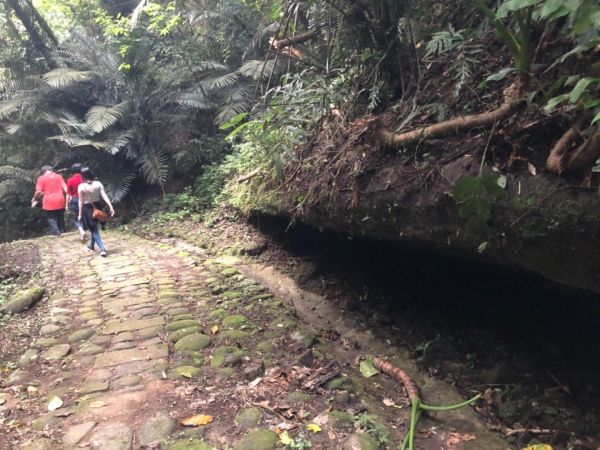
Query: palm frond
<point x="119" y="185"/>
<point x="11" y="189"/>
<point x="230" y="110"/>
<point x="154" y="166"/>
<point x="137" y="12"/>
<point x="67" y="122"/>
<point x="196" y="98"/>
<point x="119" y="143"/>
<point x="11" y="106"/>
<point x="73" y="140"/>
<point x="16" y="173"/>
<point x="257" y="69"/>
<point x="224" y="81"/>
<point x="66" y="76"/>
<point x="99" y="118"/>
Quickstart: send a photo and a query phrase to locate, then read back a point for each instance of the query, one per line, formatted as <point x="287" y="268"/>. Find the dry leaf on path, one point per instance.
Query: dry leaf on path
<point x="186" y="372"/>
<point x="214" y="329"/>
<point x="538" y="447"/>
<point x="55" y="403"/>
<point x="285" y="439"/>
<point x="314" y="428"/>
<point x="196" y="421"/>
<point x="454" y="439"/>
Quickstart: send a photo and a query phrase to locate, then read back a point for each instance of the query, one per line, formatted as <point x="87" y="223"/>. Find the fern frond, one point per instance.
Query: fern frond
<point x="118" y="186"/>
<point x="195" y="98"/>
<point x="11" y="189"/>
<point x="99" y="118"/>
<point x="11" y="106"/>
<point x="230" y="110"/>
<point x="66" y="76"/>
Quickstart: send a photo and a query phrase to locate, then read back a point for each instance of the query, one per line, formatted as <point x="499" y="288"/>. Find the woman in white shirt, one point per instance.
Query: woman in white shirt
<point x="90" y="193"/>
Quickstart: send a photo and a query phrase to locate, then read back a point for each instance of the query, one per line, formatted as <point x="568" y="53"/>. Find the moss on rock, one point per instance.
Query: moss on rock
<point x="258" y="440"/>
<point x="24" y="300"/>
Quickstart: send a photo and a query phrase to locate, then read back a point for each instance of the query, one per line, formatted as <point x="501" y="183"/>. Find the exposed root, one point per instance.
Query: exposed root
<point x="417" y="407"/>
<point x="584" y="156"/>
<point x="399" y="375"/>
<point x="456" y="125"/>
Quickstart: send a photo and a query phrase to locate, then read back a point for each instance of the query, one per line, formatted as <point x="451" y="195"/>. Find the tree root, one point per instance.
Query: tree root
<point x="562" y="160"/>
<point x="456" y="125"/>
<point x="413" y="393"/>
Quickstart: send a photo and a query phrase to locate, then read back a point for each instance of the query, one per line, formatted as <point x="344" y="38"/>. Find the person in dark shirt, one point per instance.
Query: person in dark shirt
<point x="73" y="198"/>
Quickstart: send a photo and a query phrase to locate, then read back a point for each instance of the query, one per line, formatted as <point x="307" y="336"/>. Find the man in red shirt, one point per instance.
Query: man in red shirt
<point x="52" y="187"/>
<point x="73" y="197"/>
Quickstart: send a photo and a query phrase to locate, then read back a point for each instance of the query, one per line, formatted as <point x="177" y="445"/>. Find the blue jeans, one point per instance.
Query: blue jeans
<point x="74" y="209"/>
<point x="96" y="239"/>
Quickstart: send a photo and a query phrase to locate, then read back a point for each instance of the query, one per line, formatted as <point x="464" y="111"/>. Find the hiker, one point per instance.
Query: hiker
<point x="91" y="192"/>
<point x="52" y="187"/>
<point x="73" y="198"/>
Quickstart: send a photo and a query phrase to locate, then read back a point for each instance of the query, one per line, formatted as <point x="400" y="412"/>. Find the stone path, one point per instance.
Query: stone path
<point x="136" y="342"/>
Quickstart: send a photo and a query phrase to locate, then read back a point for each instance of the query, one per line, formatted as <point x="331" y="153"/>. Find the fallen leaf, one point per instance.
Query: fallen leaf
<point x="388" y="402"/>
<point x="454" y="439"/>
<point x="54" y="403"/>
<point x="254" y="382"/>
<point x="196" y="421"/>
<point x="314" y="428"/>
<point x="285" y="439"/>
<point x="367" y="369"/>
<point x="214" y="329"/>
<point x="532" y="169"/>
<point x="97" y="404"/>
<point x="31" y="389"/>
<point x="186" y="372"/>
<point x="538" y="447"/>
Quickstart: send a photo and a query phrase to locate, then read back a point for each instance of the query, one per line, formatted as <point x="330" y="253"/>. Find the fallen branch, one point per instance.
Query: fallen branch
<point x="249" y="176"/>
<point x="293" y="40"/>
<point x="456" y="125"/>
<point x="413" y="393"/>
<point x="558" y="152"/>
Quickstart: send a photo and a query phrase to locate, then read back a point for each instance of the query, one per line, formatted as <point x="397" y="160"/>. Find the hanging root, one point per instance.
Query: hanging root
<point x="458" y="124"/>
<point x="413" y="393"/>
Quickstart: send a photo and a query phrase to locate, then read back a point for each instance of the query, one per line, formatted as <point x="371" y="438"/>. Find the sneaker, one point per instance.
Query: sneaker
<point x="90" y="249"/>
<point x="103" y="253"/>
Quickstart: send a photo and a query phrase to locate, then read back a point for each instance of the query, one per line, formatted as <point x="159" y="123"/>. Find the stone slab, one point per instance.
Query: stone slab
<point x="132" y="325"/>
<point x="133" y="354"/>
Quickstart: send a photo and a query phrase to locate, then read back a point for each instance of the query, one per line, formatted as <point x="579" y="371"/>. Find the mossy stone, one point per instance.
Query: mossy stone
<point x="45" y="342"/>
<point x="248" y="418"/>
<point x="176" y="335"/>
<point x="258" y="440"/>
<point x="231" y="295"/>
<point x="361" y="441"/>
<point x="183" y="372"/>
<point x="226" y="356"/>
<point x="282" y="324"/>
<point x="192" y="343"/>
<point x="224" y="374"/>
<point x="190" y="444"/>
<point x="235" y="335"/>
<point x="265" y="347"/>
<point x="234" y="321"/>
<point x="298" y="397"/>
<point x="81" y="335"/>
<point x="182" y="317"/>
<point x="342" y="384"/>
<point x="304" y="337"/>
<point x="27" y="357"/>
<point x="195" y="359"/>
<point x="218" y="313"/>
<point x="230" y="271"/>
<point x="180" y="324"/>
<point x="24" y="300"/>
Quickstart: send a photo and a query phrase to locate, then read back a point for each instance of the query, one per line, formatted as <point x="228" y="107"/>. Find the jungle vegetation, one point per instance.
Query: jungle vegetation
<point x="159" y="95"/>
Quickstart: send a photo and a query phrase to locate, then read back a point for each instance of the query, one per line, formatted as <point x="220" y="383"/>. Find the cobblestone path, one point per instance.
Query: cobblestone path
<point x="137" y="342"/>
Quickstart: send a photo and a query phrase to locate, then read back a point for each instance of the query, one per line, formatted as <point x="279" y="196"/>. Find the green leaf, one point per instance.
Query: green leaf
<point x="501" y="181"/>
<point x="596" y="118"/>
<point x="466" y="187"/>
<point x="233" y="121"/>
<point x="579" y="88"/>
<point x="553" y="102"/>
<point x="501" y="74"/>
<point x="367" y="369"/>
<point x="592" y="103"/>
<point x="514" y="5"/>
